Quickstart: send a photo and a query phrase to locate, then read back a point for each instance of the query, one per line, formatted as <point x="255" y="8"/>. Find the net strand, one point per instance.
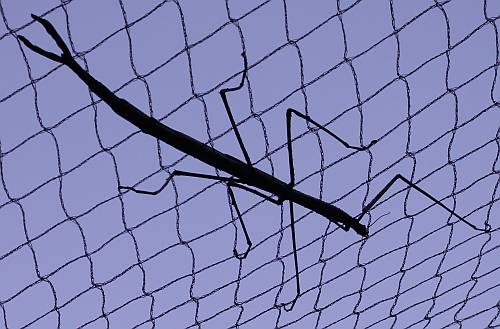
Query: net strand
<point x="281" y="257"/>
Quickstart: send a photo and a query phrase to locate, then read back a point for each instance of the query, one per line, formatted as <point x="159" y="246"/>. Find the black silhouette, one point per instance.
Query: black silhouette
<point x="241" y="172"/>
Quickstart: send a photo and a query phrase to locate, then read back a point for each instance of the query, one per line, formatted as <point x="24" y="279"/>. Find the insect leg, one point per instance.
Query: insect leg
<point x="289" y="113"/>
<point x="254" y="191"/>
<point x="308" y="119"/>
<point x="292" y="217"/>
<point x="247" y="237"/>
<point x="64" y="58"/>
<point x="222" y="93"/>
<point x="240" y="217"/>
<point x="410" y="184"/>
<point x="230" y="182"/>
<point x="180" y="173"/>
<point x="296" y="262"/>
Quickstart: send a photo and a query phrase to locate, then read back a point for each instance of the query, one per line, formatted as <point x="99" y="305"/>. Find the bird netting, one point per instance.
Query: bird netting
<point x="419" y="76"/>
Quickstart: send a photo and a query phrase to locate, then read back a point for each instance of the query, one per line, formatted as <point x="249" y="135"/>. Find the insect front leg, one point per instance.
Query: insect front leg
<point x="180" y="173"/>
<point x="223" y="93"/>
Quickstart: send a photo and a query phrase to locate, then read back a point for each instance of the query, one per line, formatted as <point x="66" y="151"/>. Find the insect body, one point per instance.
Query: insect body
<point x="243" y="175"/>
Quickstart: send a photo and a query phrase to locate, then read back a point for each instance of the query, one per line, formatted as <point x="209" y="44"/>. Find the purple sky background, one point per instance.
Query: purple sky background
<point x="74" y="252"/>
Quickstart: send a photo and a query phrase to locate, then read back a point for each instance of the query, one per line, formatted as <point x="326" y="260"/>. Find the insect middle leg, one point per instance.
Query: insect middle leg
<point x="230" y="182"/>
<point x="240" y="217"/>
<point x="289" y="113"/>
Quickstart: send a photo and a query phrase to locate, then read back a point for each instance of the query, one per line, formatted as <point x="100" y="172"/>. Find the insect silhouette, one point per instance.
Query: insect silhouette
<point x="243" y="175"/>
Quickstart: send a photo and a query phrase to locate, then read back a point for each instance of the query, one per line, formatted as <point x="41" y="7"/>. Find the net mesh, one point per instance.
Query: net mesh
<point x="419" y="76"/>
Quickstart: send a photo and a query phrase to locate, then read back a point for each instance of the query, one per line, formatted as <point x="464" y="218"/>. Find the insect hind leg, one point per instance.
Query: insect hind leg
<point x="289" y="113"/>
<point x="422" y="191"/>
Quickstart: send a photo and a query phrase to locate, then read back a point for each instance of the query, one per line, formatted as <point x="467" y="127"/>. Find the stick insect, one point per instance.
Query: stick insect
<point x="243" y="175"/>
